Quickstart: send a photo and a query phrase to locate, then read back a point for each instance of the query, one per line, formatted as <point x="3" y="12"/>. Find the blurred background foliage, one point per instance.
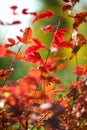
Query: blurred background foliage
<point x="66" y="75"/>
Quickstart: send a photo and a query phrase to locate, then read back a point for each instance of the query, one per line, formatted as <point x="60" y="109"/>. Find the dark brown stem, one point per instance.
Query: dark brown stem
<point x="77" y="78"/>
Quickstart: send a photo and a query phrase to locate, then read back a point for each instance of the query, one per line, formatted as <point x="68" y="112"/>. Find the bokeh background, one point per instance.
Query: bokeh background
<point x="11" y="31"/>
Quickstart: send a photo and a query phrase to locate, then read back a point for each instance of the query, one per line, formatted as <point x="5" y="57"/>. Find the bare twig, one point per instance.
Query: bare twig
<point x="52" y="41"/>
<point x="11" y="66"/>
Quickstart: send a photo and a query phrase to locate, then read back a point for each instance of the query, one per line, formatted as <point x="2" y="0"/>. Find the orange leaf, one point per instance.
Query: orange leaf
<point x="61" y="66"/>
<point x="19" y="56"/>
<point x="27" y="36"/>
<point x="79" y="18"/>
<point x="56" y="90"/>
<point x="48" y="83"/>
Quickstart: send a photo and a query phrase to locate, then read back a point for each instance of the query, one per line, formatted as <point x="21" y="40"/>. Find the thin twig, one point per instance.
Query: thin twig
<point x="52" y="40"/>
<point x="77" y="78"/>
<point x="11" y="66"/>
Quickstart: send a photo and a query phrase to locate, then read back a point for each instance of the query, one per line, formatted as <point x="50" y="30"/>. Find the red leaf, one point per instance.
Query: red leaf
<point x="64" y="44"/>
<point x="59" y="42"/>
<point x="11" y="40"/>
<point x="14" y="9"/>
<point x="49" y="28"/>
<point x="5" y="52"/>
<point x="46" y="14"/>
<point x="65" y="7"/>
<point x="19" y="39"/>
<point x="33" y="13"/>
<point x="79" y="70"/>
<point x="59" y="36"/>
<point x="76" y="84"/>
<point x="69" y="6"/>
<point x="24" y="11"/>
<point x="38" y="42"/>
<point x="34" y="58"/>
<point x="14" y="23"/>
<point x="31" y="49"/>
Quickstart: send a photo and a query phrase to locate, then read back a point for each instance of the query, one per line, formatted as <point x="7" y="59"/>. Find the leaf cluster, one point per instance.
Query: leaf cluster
<point x="39" y="99"/>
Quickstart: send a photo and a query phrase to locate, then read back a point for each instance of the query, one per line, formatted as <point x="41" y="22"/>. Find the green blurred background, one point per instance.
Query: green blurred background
<point x="21" y="68"/>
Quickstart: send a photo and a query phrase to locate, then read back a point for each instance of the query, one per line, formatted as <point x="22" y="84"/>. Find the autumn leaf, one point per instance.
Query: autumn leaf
<point x="31" y="49"/>
<point x="12" y="43"/>
<point x="38" y="42"/>
<point x="80" y="41"/>
<point x="79" y="70"/>
<point x="64" y="44"/>
<point x="47" y="82"/>
<point x="59" y="42"/>
<point x="79" y="18"/>
<point x="46" y="14"/>
<point x="19" y="56"/>
<point x="37" y="95"/>
<point x="33" y="13"/>
<point x="33" y="57"/>
<point x="19" y="39"/>
<point x="5" y="52"/>
<point x="59" y="35"/>
<point x="51" y="65"/>
<point x="69" y="5"/>
<point x="76" y="84"/>
<point x="57" y="89"/>
<point x="27" y="36"/>
<point x="60" y="66"/>
<point x="24" y="11"/>
<point x="14" y="22"/>
<point x="47" y="86"/>
<point x="14" y="7"/>
<point x="49" y="29"/>
<point x="5" y="73"/>
<point x="11" y="40"/>
<point x="65" y="7"/>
